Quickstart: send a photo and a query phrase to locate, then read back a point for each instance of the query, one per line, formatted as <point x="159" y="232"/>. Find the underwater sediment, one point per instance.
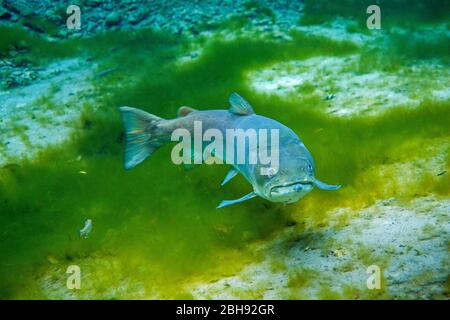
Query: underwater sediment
<point x="371" y="105"/>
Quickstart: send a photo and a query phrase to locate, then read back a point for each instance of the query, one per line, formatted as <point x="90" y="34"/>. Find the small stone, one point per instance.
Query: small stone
<point x="20" y="7"/>
<point x="4" y="14"/>
<point x="388" y="202"/>
<point x="112" y="19"/>
<point x="134" y="19"/>
<point x="339" y="253"/>
<point x="279" y="35"/>
<point x="194" y="30"/>
<point x="137" y="17"/>
<point x="291" y="223"/>
<point x="94" y="3"/>
<point x="11" y="83"/>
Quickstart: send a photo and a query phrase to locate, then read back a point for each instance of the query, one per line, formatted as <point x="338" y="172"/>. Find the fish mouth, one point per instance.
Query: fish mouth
<point x="296" y="186"/>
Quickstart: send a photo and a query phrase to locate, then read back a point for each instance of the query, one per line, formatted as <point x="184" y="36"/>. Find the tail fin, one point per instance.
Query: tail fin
<point x="141" y="135"/>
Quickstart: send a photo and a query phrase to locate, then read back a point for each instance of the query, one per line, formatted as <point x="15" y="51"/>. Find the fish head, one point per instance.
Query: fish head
<point x="292" y="181"/>
<point x="293" y="176"/>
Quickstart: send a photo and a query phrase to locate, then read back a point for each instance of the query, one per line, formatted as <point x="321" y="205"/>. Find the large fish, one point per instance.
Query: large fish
<point x="292" y="180"/>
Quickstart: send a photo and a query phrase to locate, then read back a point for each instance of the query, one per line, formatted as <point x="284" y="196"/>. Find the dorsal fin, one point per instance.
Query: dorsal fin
<point x="239" y="105"/>
<point x="184" y="111"/>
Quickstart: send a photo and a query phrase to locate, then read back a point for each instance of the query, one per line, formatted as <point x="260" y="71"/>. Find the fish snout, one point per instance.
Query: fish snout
<point x="291" y="189"/>
<point x="290" y="193"/>
<point x="303" y="186"/>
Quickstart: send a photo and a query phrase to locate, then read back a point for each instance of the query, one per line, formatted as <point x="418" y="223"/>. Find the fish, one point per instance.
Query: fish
<point x="293" y="179"/>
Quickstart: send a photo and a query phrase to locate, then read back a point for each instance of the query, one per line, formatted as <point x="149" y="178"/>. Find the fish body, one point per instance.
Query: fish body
<point x="291" y="179"/>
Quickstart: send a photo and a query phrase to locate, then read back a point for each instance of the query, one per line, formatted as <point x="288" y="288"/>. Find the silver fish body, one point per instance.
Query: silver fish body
<point x="293" y="178"/>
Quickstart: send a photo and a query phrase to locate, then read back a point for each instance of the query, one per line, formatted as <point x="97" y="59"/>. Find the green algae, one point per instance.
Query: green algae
<point x="300" y="278"/>
<point x="259" y="9"/>
<point x="159" y="220"/>
<point x="34" y="49"/>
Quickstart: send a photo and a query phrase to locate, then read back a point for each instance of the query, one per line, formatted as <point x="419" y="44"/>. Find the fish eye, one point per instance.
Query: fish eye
<point x="309" y="166"/>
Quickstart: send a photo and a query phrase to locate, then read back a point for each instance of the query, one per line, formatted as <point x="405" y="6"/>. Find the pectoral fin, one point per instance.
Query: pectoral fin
<point x="225" y="203"/>
<point x="230" y="175"/>
<point x="324" y="186"/>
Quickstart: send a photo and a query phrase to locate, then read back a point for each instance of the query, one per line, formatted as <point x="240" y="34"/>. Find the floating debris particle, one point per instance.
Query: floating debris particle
<point x="106" y="72"/>
<point x="86" y="229"/>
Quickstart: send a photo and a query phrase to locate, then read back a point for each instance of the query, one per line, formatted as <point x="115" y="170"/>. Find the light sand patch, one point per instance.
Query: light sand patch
<point x="344" y="91"/>
<point x="337" y="29"/>
<point x="301" y="265"/>
<point x="45" y="112"/>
